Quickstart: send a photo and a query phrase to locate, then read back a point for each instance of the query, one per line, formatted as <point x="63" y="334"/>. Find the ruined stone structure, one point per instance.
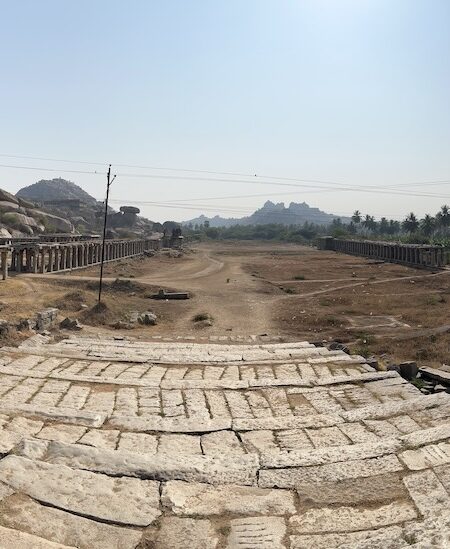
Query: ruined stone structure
<point x="53" y="257"/>
<point x="172" y="445"/>
<point x="417" y="255"/>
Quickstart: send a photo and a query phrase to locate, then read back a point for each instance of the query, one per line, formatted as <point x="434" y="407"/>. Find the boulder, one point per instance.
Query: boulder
<point x="25" y="203"/>
<point x="71" y="324"/>
<point x="20" y="220"/>
<point x="8" y="206"/>
<point x="8" y="197"/>
<point x="130" y="210"/>
<point x="56" y="223"/>
<point x="4" y="328"/>
<point x="147" y="318"/>
<point x="4" y="233"/>
<point x="121" y="325"/>
<point x="46" y="319"/>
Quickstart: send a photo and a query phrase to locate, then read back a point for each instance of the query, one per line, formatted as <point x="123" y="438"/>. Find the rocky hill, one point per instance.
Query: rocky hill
<point x="83" y="212"/>
<point x="294" y="214"/>
<point x="49" y="190"/>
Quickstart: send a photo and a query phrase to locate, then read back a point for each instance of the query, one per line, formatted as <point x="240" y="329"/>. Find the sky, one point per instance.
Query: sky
<point x="343" y="104"/>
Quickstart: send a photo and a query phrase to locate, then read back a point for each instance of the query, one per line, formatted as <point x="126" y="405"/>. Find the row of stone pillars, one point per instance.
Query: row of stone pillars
<point x="410" y="254"/>
<point x="48" y="258"/>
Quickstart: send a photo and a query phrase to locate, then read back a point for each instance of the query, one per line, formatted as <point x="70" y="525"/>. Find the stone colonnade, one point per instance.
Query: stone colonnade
<point x="409" y="254"/>
<point x="49" y="257"/>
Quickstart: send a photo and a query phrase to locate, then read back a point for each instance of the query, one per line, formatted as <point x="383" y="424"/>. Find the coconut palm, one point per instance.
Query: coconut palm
<point x="356" y="217"/>
<point x="411" y="223"/>
<point x="427" y="225"/>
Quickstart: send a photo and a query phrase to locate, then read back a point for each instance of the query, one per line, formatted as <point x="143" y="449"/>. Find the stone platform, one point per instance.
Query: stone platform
<point x="170" y="445"/>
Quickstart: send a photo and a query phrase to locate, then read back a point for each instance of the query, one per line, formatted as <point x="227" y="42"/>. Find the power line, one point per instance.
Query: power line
<point x="211" y="172"/>
<point x="298" y="182"/>
<point x="34" y="168"/>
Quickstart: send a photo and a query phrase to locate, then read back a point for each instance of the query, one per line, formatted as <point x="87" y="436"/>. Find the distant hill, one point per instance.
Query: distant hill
<point x="47" y="190"/>
<point x="294" y="214"/>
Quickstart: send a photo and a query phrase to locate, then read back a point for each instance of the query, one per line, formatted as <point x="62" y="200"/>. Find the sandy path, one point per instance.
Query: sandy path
<point x="218" y="285"/>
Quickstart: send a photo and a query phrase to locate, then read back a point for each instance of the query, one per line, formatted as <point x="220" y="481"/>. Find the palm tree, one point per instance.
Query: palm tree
<point x="356" y="217"/>
<point x="427" y="225"/>
<point x="370" y="223"/>
<point x="384" y="226"/>
<point x="443" y="216"/>
<point x="411" y="223"/>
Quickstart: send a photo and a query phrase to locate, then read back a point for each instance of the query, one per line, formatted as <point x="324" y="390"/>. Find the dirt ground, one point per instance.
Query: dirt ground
<point x="250" y="288"/>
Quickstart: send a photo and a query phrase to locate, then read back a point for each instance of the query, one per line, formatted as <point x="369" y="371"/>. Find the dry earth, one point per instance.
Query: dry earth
<point x="255" y="288"/>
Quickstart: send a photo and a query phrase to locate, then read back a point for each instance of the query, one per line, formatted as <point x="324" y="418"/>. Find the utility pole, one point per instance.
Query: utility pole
<point x="108" y="184"/>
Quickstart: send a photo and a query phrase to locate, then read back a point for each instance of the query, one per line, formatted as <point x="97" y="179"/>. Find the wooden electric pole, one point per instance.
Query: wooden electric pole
<point x="108" y="184"/>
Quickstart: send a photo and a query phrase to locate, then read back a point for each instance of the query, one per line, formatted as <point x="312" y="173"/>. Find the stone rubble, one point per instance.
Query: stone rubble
<point x="122" y="444"/>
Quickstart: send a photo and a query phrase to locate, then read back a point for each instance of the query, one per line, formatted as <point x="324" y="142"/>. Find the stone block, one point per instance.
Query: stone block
<point x="408" y="370"/>
<point x="46" y="319"/>
<point x="71" y="324"/>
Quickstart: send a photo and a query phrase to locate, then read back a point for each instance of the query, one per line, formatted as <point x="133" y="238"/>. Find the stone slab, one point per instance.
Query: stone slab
<point x="351" y="519"/>
<point x="64" y="415"/>
<point x="22" y="513"/>
<point x="15" y="539"/>
<point x="427" y="492"/>
<point x="191" y="468"/>
<point x="427" y="456"/>
<point x="320" y="456"/>
<point x="353" y="491"/>
<point x="195" y="499"/>
<point x="396" y="408"/>
<point x="118" y="500"/>
<point x="390" y="537"/>
<point x="334" y="472"/>
<point x="313" y="421"/>
<point x="184" y="533"/>
<point x="169" y="424"/>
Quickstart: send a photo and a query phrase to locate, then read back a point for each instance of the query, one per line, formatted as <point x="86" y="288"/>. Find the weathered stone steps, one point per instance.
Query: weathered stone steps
<point x="307" y="452"/>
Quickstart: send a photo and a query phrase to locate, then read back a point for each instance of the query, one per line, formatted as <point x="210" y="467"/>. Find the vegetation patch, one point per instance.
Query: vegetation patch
<point x="199" y="317"/>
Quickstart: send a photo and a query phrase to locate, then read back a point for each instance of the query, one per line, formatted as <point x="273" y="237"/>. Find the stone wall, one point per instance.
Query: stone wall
<point x="409" y="254"/>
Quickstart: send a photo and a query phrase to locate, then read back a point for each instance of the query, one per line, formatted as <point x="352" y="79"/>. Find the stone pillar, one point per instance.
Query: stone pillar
<point x="19" y="260"/>
<point x="35" y="260"/>
<point x="55" y="256"/>
<point x="4" y="256"/>
<point x="50" y="259"/>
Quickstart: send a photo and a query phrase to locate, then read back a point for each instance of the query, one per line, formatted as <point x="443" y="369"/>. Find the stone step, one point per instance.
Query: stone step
<point x="21" y="512"/>
<point x="117" y="500"/>
<point x="63" y="415"/>
<point x="191" y="468"/>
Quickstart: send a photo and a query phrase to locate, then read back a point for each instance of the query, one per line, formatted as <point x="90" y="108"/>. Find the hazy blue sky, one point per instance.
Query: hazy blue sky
<point x="350" y="91"/>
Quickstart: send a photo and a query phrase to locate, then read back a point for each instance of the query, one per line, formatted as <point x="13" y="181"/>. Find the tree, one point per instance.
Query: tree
<point x="370" y="223"/>
<point x="206" y="224"/>
<point x="411" y="223"/>
<point x="443" y="216"/>
<point x="356" y="217"/>
<point x="384" y="226"/>
<point x="427" y="225"/>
